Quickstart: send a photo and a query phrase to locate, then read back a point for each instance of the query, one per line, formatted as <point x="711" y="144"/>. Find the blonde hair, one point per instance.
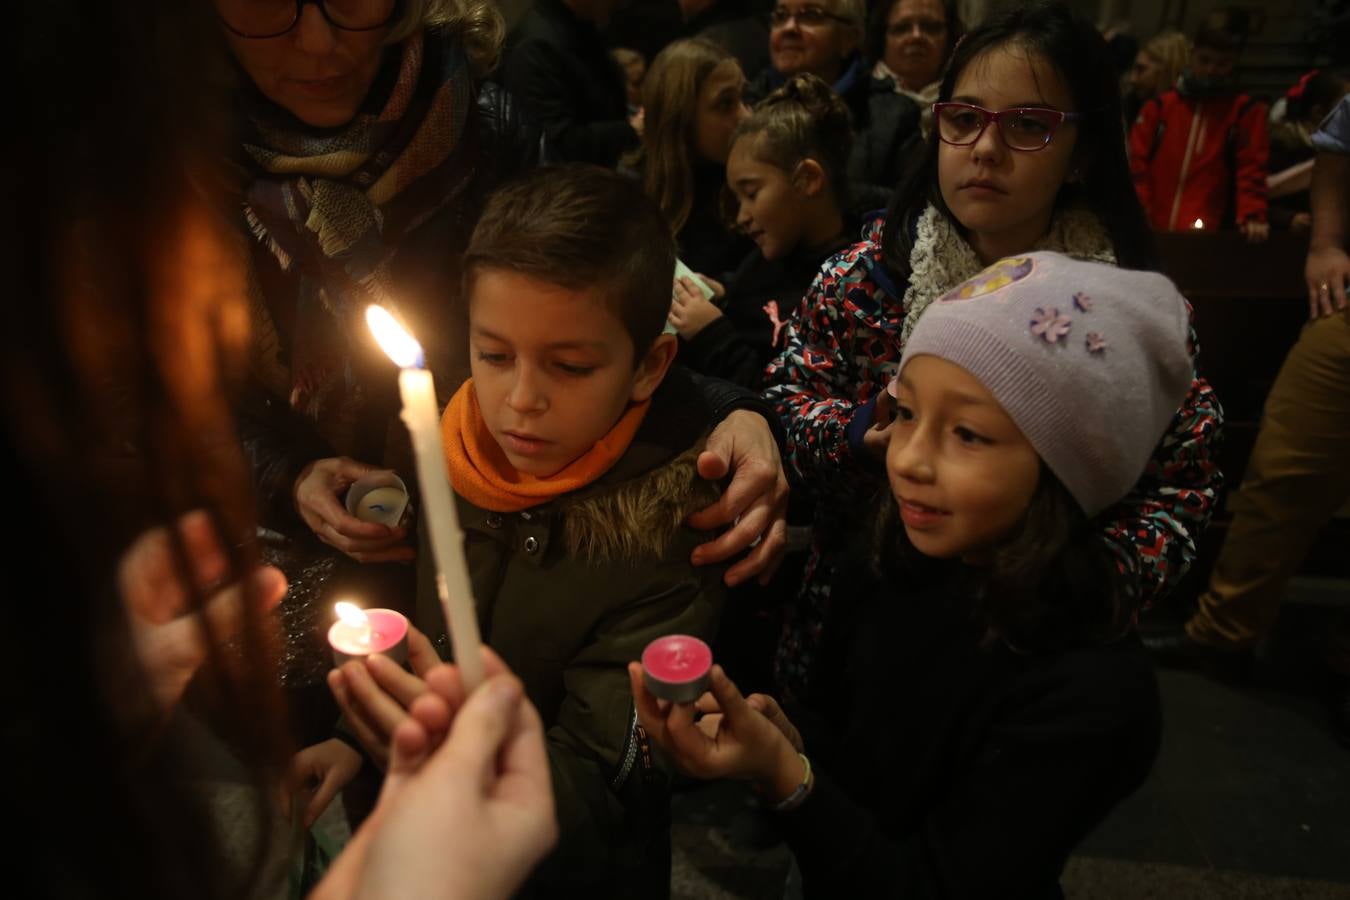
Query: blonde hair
<point x="1171" y="50"/>
<point x="477" y="22"/>
<point x="670" y="104"/>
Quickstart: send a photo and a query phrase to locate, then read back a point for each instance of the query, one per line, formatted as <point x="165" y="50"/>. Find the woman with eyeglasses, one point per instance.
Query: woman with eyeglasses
<point x="824" y="38"/>
<point x="369" y="142"/>
<point x="1026" y="154"/>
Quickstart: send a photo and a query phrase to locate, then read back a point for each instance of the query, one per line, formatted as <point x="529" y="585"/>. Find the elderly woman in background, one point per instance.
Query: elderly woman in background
<point x="824" y="38"/>
<point x="910" y="41"/>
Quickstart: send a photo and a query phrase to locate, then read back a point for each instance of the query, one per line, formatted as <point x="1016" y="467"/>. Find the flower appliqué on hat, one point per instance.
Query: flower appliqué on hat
<point x="1095" y="342"/>
<point x="1082" y="302"/>
<point x="1050" y="326"/>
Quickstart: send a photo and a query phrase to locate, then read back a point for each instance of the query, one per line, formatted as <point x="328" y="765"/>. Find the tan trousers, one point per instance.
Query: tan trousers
<point x="1299" y="475"/>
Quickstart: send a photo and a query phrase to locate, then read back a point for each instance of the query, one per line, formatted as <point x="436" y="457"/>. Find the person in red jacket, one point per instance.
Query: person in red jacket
<point x="1199" y="152"/>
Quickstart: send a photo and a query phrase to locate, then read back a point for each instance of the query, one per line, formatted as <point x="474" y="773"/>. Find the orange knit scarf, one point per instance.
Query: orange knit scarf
<point x="481" y="474"/>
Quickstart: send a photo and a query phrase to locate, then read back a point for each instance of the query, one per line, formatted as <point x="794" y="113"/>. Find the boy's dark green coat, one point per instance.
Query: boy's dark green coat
<point x="568" y="593"/>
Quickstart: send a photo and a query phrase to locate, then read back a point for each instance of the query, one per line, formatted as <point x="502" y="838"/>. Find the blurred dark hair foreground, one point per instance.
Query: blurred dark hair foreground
<point x="125" y="310"/>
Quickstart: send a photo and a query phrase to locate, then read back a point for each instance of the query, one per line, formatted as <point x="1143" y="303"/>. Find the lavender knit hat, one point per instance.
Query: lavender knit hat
<point x="1090" y="361"/>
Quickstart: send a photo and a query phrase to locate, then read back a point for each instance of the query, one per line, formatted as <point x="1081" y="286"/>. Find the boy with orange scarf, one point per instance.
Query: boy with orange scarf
<point x="572" y="453"/>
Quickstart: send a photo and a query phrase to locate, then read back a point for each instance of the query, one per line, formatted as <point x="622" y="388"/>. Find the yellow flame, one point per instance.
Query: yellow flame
<point x="402" y="347"/>
<point x="1199" y="224"/>
<point x="351" y="614"/>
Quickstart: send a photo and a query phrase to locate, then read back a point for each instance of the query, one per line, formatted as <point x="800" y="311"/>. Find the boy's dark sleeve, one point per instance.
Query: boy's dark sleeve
<point x="723" y="398"/>
<point x="1050" y="771"/>
<point x="722" y="351"/>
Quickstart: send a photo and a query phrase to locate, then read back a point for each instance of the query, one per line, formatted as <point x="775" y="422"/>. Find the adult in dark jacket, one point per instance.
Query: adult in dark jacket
<point x="909" y="43"/>
<point x="825" y="40"/>
<point x="559" y="68"/>
<point x="357" y="190"/>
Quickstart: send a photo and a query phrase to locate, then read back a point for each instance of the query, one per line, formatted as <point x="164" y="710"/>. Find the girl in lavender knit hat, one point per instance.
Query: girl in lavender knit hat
<point x="986" y="703"/>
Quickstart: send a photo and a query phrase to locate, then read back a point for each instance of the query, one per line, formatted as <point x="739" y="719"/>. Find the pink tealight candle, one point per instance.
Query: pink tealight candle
<point x="360" y="632"/>
<point x="677" y="668"/>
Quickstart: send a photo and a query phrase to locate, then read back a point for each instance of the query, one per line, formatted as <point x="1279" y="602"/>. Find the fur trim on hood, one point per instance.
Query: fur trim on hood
<point x="640" y="516"/>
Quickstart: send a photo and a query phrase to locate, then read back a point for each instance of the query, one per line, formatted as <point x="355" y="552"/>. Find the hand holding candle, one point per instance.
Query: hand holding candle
<point x="725" y="735"/>
<point x="421" y="415"/>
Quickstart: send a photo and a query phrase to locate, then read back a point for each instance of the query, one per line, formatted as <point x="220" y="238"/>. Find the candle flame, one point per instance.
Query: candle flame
<point x="352" y="614"/>
<point x="402" y="347"/>
<point x="1199" y="224"/>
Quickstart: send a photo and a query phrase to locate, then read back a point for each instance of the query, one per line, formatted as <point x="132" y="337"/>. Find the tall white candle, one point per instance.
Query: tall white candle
<point x="422" y="417"/>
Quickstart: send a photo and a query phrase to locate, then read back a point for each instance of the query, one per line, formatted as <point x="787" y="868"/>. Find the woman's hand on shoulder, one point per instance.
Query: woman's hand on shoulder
<point x="316" y="493"/>
<point x="754" y="503"/>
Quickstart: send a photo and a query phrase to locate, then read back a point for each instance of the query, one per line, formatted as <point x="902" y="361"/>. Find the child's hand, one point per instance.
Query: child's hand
<point x="325" y="768"/>
<point x="754" y="504"/>
<point x="463" y="815"/>
<point x="376" y="693"/>
<point x="768" y="707"/>
<point x="739" y="742"/>
<point x="690" y="311"/>
<point x="710" y="715"/>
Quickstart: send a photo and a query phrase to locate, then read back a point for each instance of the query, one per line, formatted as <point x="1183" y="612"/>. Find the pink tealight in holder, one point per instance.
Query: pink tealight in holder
<point x="360" y="632"/>
<point x="677" y="668"/>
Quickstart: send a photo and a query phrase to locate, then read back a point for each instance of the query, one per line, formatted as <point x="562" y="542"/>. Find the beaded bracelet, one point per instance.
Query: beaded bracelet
<point x="798" y="796"/>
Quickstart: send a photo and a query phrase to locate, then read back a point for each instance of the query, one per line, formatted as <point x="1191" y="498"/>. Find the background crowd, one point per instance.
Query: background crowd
<point x="208" y="194"/>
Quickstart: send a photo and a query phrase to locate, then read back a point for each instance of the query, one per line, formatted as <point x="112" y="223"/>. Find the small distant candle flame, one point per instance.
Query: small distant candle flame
<point x="354" y="617"/>
<point x="1199" y="224"/>
<point x="402" y="347"/>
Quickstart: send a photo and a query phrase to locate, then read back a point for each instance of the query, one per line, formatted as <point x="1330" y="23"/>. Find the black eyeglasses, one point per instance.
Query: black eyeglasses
<point x="1025" y="128"/>
<point x="273" y="18"/>
<point x="810" y="16"/>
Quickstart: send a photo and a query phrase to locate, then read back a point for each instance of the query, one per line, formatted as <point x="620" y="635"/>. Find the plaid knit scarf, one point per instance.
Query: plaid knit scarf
<point x="333" y="207"/>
